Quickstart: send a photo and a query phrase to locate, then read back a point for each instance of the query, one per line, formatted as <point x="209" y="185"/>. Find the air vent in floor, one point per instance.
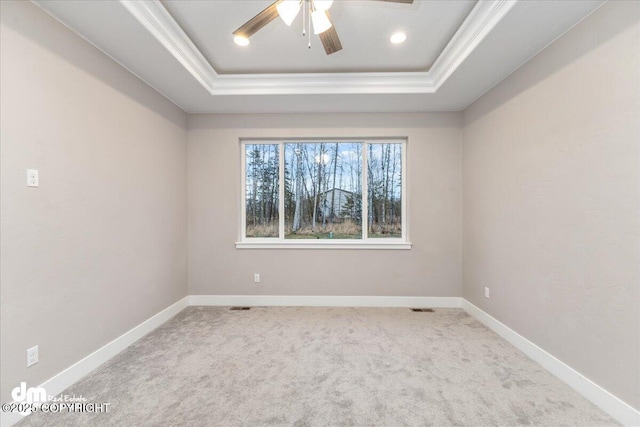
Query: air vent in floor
<point x="423" y="310"/>
<point x="240" y="308"/>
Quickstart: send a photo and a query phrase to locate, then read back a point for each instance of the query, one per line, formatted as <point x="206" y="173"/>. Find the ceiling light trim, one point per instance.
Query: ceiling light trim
<point x="164" y="28"/>
<point x="478" y="24"/>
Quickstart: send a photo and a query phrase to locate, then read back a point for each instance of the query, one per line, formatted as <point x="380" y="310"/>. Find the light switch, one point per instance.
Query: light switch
<point x="32" y="178"/>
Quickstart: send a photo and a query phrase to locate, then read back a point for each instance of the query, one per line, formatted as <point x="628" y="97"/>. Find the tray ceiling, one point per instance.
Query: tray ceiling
<point x="455" y="51"/>
<point x="364" y="28"/>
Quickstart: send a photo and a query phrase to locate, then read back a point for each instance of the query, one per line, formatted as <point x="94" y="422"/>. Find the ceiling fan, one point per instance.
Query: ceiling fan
<point x="316" y="11"/>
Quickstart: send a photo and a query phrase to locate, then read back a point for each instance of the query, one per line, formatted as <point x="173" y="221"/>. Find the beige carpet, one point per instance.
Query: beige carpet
<point x="278" y="366"/>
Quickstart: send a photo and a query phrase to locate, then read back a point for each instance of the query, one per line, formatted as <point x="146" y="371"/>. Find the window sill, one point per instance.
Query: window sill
<point x="297" y="244"/>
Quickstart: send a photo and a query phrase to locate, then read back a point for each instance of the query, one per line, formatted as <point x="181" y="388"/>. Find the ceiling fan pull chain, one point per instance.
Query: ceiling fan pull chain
<point x="304" y="32"/>
<point x="309" y="17"/>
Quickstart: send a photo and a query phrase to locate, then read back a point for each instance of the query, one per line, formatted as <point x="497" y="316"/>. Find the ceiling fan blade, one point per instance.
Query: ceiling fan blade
<point x="330" y="40"/>
<point x="256" y="23"/>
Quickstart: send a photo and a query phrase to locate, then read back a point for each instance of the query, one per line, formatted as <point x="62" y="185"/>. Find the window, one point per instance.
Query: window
<point x="324" y="194"/>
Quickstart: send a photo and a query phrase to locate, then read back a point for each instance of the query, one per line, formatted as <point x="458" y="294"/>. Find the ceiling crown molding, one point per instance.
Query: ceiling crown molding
<point x="163" y="27"/>
<point x="482" y="19"/>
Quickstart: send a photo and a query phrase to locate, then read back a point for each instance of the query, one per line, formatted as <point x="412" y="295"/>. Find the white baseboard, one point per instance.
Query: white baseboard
<point x="606" y="401"/>
<point x="60" y="382"/>
<point x="323" y="301"/>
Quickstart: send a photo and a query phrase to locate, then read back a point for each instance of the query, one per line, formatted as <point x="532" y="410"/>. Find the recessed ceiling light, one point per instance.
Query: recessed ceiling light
<point x="398" y="37"/>
<point x="241" y="40"/>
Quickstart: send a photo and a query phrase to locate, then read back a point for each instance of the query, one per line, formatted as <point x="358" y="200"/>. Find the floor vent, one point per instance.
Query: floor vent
<point x="423" y="310"/>
<point x="240" y="308"/>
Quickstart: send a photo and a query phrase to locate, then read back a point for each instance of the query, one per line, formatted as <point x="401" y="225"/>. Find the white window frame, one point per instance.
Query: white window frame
<point x="281" y="243"/>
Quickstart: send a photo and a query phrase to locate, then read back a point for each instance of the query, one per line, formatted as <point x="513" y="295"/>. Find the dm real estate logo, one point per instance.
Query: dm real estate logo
<point x="31" y="396"/>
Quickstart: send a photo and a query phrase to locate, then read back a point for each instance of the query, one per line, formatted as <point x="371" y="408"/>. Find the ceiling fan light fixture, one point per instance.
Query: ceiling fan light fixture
<point x="398" y="37"/>
<point x="322" y="5"/>
<point x="241" y="40"/>
<point x="321" y="22"/>
<point x="288" y="10"/>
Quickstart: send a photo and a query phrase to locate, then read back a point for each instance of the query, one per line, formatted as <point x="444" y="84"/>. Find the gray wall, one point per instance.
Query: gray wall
<point x="431" y="268"/>
<point x="100" y="246"/>
<point x="551" y="200"/>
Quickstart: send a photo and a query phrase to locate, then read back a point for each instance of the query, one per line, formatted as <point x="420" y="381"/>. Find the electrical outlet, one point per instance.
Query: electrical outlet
<point x="486" y="292"/>
<point x="32" y="178"/>
<point x="256" y="277"/>
<point x="32" y="356"/>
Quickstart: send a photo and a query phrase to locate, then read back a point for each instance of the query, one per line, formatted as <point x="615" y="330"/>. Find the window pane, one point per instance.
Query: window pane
<point x="262" y="190"/>
<point x="323" y="190"/>
<point x="384" y="182"/>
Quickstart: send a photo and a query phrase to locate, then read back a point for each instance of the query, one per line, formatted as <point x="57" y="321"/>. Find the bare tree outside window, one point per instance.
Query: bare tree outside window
<point x="323" y="190"/>
<point x="262" y="191"/>
<point x="384" y="169"/>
